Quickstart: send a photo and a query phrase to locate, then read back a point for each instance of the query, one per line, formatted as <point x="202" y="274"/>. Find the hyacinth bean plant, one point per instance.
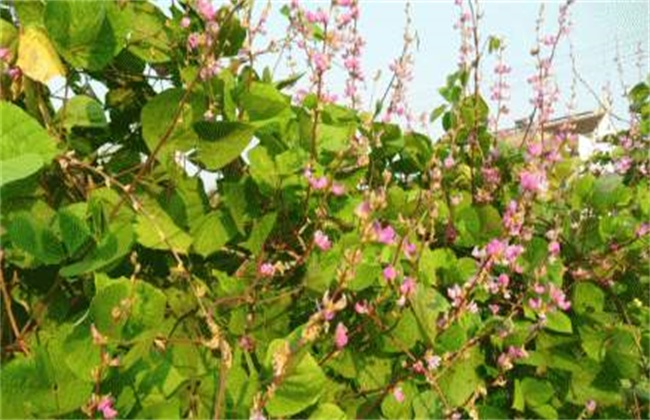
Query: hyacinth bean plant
<point x="345" y="263"/>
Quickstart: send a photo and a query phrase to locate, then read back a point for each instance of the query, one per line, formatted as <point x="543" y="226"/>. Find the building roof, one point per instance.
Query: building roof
<point x="584" y="123"/>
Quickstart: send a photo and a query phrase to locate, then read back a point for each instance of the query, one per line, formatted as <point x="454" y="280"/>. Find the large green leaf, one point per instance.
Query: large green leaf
<point x="34" y="236"/>
<point x="113" y="246"/>
<point x="156" y="229"/>
<point x="263" y="101"/>
<point x="221" y="142"/>
<point x="211" y="233"/>
<point x="126" y="309"/>
<point x="459" y="382"/>
<point x="141" y="27"/>
<point x="81" y="32"/>
<point x="25" y="145"/>
<point x="301" y="386"/>
<point x="82" y="111"/>
<point x="158" y="123"/>
<point x="41" y="385"/>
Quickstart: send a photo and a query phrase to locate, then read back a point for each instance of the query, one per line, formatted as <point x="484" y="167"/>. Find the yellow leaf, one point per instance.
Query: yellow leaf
<point x="37" y="57"/>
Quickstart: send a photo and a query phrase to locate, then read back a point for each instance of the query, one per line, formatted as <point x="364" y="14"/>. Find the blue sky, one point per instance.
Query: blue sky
<point x="600" y="28"/>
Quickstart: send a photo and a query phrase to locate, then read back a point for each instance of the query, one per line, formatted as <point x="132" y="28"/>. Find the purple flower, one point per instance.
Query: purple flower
<point x="341" y="336"/>
<point x="322" y="240"/>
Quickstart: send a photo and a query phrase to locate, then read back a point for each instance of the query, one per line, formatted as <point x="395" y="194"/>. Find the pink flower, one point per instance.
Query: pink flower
<point x="267" y="269"/>
<point x="643" y="229"/>
<point x="410" y="249"/>
<point x="321" y="61"/>
<point x="341" y="336"/>
<point x="623" y="165"/>
<point x="390" y="273"/>
<point x="433" y="362"/>
<point x="590" y="406"/>
<point x="205" y="8"/>
<point x="106" y="407"/>
<point x="5" y="54"/>
<point x="538" y="288"/>
<point x="559" y="298"/>
<point x="504" y="280"/>
<point x="319" y="183"/>
<point x="512" y="252"/>
<point x="554" y="248"/>
<point x="352" y="64"/>
<point x="398" y="394"/>
<point x="363" y="210"/>
<point x="385" y="235"/>
<point x="193" y="41"/>
<point x="361" y="307"/>
<point x="535" y="149"/>
<point x="455" y="293"/>
<point x="344" y="3"/>
<point x="338" y="189"/>
<point x="495" y="248"/>
<point x="494" y="308"/>
<point x="408" y="286"/>
<point x="535" y="303"/>
<point x="185" y="22"/>
<point x="533" y="181"/>
<point x="449" y="162"/>
<point x="322" y="240"/>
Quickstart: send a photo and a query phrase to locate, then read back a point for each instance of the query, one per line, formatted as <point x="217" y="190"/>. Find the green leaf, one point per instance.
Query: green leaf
<point x="558" y="321"/>
<point x="328" y="411"/>
<point x="428" y="303"/>
<point x="221" y="142"/>
<point x="263" y="101"/>
<point x="82" y="111"/>
<point x="34" y="236"/>
<point x="113" y="246"/>
<point x="301" y="387"/>
<point x="261" y="230"/>
<point x="73" y="226"/>
<point x="393" y="409"/>
<point x="25" y="145"/>
<point x="459" y="382"/>
<point x="156" y="229"/>
<point x="366" y="275"/>
<point x="211" y="233"/>
<point x="536" y="392"/>
<point x="158" y="122"/>
<point x="426" y="405"/>
<point x="587" y="298"/>
<point x="42" y="385"/>
<point x="81" y="32"/>
<point x="623" y="354"/>
<point x="126" y="309"/>
<point x="20" y="167"/>
<point x="374" y="373"/>
<point x="141" y="27"/>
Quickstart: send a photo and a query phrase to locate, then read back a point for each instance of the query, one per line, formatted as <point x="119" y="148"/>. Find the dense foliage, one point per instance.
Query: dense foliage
<point x="342" y="266"/>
